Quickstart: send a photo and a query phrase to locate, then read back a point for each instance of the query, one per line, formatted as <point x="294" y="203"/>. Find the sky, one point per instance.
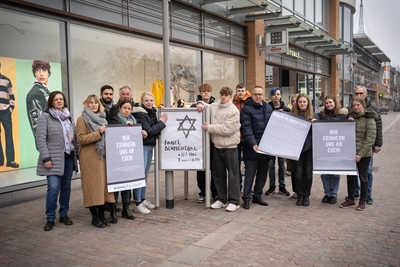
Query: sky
<point x="382" y="25"/>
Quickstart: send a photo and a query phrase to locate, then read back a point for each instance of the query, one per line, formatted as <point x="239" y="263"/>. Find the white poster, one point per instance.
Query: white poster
<point x="284" y="135"/>
<point x="124" y="157"/>
<point x="181" y="141"/>
<point x="334" y="147"/>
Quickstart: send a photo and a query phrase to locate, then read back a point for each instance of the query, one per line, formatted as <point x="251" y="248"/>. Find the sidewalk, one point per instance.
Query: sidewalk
<point x="281" y="234"/>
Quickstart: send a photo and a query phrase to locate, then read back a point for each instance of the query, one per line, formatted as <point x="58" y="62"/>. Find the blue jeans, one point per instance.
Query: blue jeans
<point x="258" y="168"/>
<point x="125" y="195"/>
<point x="370" y="179"/>
<point x="281" y="172"/>
<point x="330" y="183"/>
<point x="140" y="193"/>
<point x="59" y="185"/>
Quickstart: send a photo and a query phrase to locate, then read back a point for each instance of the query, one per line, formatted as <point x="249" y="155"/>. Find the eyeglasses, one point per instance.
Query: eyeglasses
<point x="258" y="95"/>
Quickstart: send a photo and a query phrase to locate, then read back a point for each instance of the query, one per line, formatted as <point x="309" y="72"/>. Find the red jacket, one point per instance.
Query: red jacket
<point x="239" y="103"/>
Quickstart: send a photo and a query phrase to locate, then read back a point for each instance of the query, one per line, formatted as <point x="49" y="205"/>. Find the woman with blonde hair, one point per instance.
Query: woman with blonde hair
<point x="90" y="128"/>
<point x="153" y="127"/>
<point x="303" y="167"/>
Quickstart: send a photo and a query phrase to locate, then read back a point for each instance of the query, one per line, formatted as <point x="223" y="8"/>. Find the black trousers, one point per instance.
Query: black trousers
<point x="303" y="173"/>
<point x="362" y="168"/>
<point x="201" y="177"/>
<point x="5" y="120"/>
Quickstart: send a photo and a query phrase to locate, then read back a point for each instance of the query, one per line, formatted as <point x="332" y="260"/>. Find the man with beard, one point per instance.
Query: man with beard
<point x="106" y="99"/>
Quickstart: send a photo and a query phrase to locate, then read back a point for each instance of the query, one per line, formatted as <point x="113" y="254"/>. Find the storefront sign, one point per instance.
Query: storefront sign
<point x="334" y="147"/>
<point x="276" y="42"/>
<point x="181" y="142"/>
<point x="124" y="157"/>
<point x="284" y="135"/>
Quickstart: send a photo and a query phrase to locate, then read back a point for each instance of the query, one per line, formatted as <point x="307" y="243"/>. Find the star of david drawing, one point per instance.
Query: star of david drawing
<point x="186" y="130"/>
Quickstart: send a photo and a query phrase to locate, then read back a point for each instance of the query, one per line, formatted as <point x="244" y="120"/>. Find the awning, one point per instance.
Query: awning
<point x="363" y="40"/>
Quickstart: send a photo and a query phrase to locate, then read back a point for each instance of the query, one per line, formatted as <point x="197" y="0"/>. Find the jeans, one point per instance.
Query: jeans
<point x="330" y="183"/>
<point x="258" y="168"/>
<point x="140" y="193"/>
<point x="362" y="168"/>
<point x="125" y="195"/>
<point x="224" y="162"/>
<point x="281" y="172"/>
<point x="370" y="179"/>
<point x="304" y="175"/>
<point x="59" y="185"/>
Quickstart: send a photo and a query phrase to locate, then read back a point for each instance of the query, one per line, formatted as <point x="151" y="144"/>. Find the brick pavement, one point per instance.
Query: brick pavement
<point x="281" y="234"/>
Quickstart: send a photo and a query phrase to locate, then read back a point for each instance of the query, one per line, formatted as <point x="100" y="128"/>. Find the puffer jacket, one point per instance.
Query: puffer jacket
<point x="148" y="119"/>
<point x="365" y="132"/>
<point x="328" y="116"/>
<point x="253" y="119"/>
<point x="50" y="144"/>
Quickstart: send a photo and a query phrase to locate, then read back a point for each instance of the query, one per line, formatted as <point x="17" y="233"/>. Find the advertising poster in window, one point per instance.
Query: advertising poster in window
<point x="181" y="142"/>
<point x="334" y="147"/>
<point x="183" y="83"/>
<point x="24" y="89"/>
<point x="125" y="162"/>
<point x="284" y="135"/>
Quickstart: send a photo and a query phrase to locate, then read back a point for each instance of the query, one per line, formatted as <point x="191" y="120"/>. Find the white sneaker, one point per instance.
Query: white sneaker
<point x="148" y="204"/>
<point x="232" y="207"/>
<point x="218" y="204"/>
<point x="141" y="209"/>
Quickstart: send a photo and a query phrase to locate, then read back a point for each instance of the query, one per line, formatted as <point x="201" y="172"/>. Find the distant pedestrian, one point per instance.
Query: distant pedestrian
<point x="57" y="145"/>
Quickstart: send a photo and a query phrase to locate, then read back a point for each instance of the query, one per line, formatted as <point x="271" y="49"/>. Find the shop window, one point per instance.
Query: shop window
<point x="186" y="23"/>
<point x="217" y="32"/>
<point x="25" y="39"/>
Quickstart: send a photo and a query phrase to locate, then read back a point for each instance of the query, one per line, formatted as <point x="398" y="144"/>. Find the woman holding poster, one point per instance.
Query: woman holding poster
<point x="90" y="128"/>
<point x="331" y="112"/>
<point x="365" y="139"/>
<point x="153" y="127"/>
<point x="303" y="167"/>
<point x="57" y="146"/>
<point x="124" y="116"/>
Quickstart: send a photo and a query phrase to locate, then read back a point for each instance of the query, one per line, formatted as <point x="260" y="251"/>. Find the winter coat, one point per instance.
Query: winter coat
<point x="342" y="115"/>
<point x="282" y="106"/>
<point x="239" y="103"/>
<point x="148" y="119"/>
<point x="308" y="142"/>
<point x="365" y="132"/>
<point x="36" y="103"/>
<point x="378" y="121"/>
<point x="50" y="144"/>
<point x="93" y="169"/>
<point x="224" y="126"/>
<point x="253" y="120"/>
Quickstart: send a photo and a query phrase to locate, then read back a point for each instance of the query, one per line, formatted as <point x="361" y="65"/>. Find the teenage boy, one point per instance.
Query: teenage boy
<point x="277" y="104"/>
<point x="205" y="96"/>
<point x="225" y="134"/>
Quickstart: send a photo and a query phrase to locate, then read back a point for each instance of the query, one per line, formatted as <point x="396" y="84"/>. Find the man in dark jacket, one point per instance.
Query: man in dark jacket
<point x="106" y="99"/>
<point x="254" y="117"/>
<point x="362" y="91"/>
<point x="277" y="104"/>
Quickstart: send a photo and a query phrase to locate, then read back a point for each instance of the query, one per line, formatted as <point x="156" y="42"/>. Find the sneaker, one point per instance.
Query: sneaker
<point x="201" y="199"/>
<point x="218" y="204"/>
<point x="294" y="195"/>
<point x="232" y="207"/>
<point x="65" y="220"/>
<point x="148" y="204"/>
<point x="325" y="199"/>
<point x="332" y="200"/>
<point x="141" y="209"/>
<point x="361" y="205"/>
<point x="348" y="203"/>
<point x="370" y="201"/>
<point x="270" y="191"/>
<point x="283" y="191"/>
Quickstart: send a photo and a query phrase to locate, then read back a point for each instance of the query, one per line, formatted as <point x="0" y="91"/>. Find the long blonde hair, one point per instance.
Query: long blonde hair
<point x="308" y="113"/>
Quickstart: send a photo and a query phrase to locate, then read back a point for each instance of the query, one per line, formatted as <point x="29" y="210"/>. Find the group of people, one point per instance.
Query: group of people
<point x="60" y="143"/>
<point x="239" y="131"/>
<point x="236" y="128"/>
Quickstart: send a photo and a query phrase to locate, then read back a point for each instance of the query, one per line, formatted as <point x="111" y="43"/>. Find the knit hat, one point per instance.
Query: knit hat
<point x="273" y="90"/>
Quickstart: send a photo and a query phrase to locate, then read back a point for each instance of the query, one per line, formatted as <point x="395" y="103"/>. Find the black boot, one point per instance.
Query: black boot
<point x="97" y="222"/>
<point x="113" y="213"/>
<point x="306" y="201"/>
<point x="101" y="216"/>
<point x="126" y="213"/>
<point x="299" y="201"/>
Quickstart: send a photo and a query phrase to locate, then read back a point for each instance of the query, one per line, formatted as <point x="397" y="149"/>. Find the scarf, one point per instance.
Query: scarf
<point x="107" y="107"/>
<point x="94" y="122"/>
<point x="68" y="129"/>
<point x="124" y="120"/>
<point x="152" y="114"/>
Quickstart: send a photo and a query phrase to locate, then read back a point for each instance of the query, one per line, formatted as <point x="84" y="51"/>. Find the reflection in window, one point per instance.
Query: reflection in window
<point x="185" y="23"/>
